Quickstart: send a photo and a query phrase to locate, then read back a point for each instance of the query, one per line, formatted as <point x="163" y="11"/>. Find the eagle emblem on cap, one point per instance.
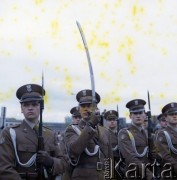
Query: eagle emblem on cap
<point x="28" y="88"/>
<point x="84" y="93"/>
<point x="136" y="102"/>
<point x="172" y="105"/>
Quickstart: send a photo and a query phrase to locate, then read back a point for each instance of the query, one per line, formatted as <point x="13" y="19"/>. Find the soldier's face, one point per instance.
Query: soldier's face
<point x="31" y="110"/>
<point x="138" y="118"/>
<point x="172" y="119"/>
<point x="76" y="119"/>
<point x="86" y="110"/>
<point x="112" y="123"/>
<point x="163" y="123"/>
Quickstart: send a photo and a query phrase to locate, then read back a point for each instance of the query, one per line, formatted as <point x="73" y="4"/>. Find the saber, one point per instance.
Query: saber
<point x="89" y="62"/>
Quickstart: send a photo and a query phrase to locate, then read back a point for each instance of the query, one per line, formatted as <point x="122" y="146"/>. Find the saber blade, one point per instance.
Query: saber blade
<point x="89" y="62"/>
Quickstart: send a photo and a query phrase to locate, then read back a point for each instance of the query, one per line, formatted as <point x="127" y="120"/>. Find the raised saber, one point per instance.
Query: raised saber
<point x="89" y="63"/>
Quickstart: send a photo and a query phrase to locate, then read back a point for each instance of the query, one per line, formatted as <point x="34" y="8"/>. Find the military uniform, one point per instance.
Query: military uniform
<point x="67" y="175"/>
<point x="89" y="148"/>
<point x="166" y="140"/>
<point x="133" y="144"/>
<point x="19" y="145"/>
<point x="27" y="144"/>
<point x="109" y="116"/>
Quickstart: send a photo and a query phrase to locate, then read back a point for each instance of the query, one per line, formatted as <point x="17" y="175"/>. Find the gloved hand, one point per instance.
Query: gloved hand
<point x="94" y="118"/>
<point x="44" y="158"/>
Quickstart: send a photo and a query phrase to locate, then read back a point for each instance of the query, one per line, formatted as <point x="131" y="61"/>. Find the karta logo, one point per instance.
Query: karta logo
<point x="139" y="171"/>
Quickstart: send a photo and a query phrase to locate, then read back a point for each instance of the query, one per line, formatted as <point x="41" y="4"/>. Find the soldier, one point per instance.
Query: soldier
<point x="88" y="144"/>
<point x="75" y="115"/>
<point x="19" y="144"/>
<point x="162" y="123"/>
<point x="166" y="141"/>
<point x="133" y="142"/>
<point x="111" y="117"/>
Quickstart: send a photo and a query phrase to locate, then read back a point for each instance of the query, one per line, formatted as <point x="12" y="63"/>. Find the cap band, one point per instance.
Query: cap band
<point x="137" y="110"/>
<point x="30" y="98"/>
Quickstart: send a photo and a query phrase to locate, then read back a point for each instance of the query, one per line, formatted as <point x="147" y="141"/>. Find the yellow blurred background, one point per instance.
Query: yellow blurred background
<point x="132" y="44"/>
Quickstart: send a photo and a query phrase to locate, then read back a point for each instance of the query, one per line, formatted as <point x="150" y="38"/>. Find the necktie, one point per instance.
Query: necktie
<point x="36" y="129"/>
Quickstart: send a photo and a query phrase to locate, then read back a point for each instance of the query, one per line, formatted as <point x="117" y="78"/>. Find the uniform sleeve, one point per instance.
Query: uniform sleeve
<point x="77" y="143"/>
<point x="164" y="151"/>
<point x="7" y="157"/>
<point x="126" y="149"/>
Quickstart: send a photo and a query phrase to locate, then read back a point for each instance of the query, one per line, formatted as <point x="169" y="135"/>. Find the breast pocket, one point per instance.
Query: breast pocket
<point x="51" y="149"/>
<point x="26" y="151"/>
<point x="140" y="146"/>
<point x="27" y="148"/>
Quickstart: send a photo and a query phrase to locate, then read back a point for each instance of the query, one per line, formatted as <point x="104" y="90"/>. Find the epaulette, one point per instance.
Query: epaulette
<point x="47" y="128"/>
<point x="126" y="128"/>
<point x="103" y="128"/>
<point x="15" y="126"/>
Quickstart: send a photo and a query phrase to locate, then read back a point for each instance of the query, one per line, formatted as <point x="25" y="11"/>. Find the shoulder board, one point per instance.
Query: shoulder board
<point x="102" y="127"/>
<point x="126" y="128"/>
<point x="47" y="128"/>
<point x="15" y="126"/>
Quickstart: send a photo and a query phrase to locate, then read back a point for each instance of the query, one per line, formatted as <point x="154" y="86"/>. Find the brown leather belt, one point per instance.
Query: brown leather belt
<point x="97" y="166"/>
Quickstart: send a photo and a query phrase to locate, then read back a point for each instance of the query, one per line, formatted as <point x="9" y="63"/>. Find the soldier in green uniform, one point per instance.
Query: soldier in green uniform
<point x="111" y="118"/>
<point x="133" y="142"/>
<point x="166" y="142"/>
<point x="76" y="116"/>
<point x="162" y="123"/>
<point x="88" y="144"/>
<point x="19" y="144"/>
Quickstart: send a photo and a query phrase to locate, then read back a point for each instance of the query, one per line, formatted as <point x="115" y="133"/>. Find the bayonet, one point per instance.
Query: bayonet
<point x="3" y="116"/>
<point x="118" y="124"/>
<point x="149" y="128"/>
<point x="41" y="170"/>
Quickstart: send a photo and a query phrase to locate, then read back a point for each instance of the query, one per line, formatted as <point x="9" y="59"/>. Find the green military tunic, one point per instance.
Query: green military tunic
<point x="165" y="151"/>
<point x="115" y="149"/>
<point x="85" y="165"/>
<point x="27" y="144"/>
<point x="128" y="150"/>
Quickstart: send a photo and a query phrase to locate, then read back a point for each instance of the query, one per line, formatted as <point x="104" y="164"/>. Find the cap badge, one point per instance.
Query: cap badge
<point x="84" y="92"/>
<point x="172" y="105"/>
<point x="28" y="88"/>
<point x="136" y="102"/>
<point x="110" y="112"/>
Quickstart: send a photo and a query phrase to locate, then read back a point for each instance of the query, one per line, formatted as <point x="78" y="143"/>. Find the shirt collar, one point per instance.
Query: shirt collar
<point x="138" y="127"/>
<point x="31" y="124"/>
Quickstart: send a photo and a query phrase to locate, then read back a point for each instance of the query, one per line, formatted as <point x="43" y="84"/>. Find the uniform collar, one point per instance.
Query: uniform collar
<point x="31" y="124"/>
<point x="140" y="128"/>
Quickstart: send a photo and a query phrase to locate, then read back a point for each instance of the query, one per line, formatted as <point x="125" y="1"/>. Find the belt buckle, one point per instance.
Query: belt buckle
<point x="99" y="166"/>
